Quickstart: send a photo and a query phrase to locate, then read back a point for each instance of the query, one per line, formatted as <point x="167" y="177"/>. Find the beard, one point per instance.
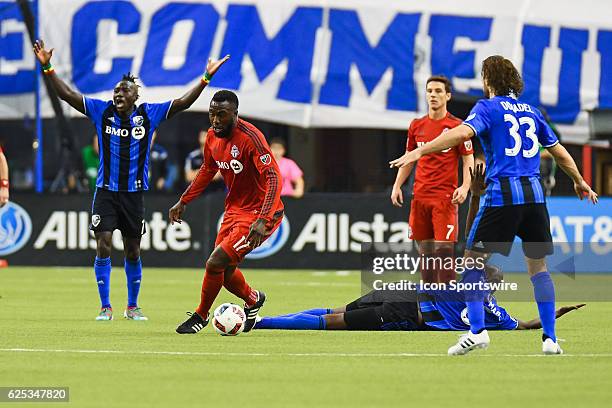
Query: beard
<point x="226" y="131"/>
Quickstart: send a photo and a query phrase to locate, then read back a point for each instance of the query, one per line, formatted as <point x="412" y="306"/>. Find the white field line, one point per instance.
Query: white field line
<point x="331" y="355"/>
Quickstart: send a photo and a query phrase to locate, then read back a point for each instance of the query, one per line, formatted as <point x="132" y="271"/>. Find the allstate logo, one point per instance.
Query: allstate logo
<point x="271" y="245"/>
<point x="15" y="228"/>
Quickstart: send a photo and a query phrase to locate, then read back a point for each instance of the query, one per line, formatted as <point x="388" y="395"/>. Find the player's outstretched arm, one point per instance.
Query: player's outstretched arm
<point x="568" y="165"/>
<point x="197" y="186"/>
<point x="65" y="92"/>
<point x="448" y="139"/>
<point x="536" y="324"/>
<point x="185" y="101"/>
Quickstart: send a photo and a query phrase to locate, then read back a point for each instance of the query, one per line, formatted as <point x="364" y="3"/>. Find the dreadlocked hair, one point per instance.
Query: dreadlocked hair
<point x="130" y="78"/>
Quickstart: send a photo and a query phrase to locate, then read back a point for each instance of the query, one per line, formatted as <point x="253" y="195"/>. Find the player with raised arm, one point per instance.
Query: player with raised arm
<point x="514" y="203"/>
<point x="124" y="135"/>
<point x="253" y="208"/>
<point x="436" y="194"/>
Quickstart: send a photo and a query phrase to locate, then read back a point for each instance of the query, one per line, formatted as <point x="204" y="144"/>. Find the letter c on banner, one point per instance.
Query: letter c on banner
<point x="85" y="40"/>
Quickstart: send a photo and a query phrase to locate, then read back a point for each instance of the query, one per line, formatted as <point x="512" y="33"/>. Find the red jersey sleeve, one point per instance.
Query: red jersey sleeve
<point x="205" y="174"/>
<point x="466" y="148"/>
<point x="264" y="162"/>
<point x="411" y="142"/>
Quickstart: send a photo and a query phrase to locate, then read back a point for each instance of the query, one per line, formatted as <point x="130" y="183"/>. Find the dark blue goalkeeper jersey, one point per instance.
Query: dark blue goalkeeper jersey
<point x="124" y="144"/>
<point x="511" y="133"/>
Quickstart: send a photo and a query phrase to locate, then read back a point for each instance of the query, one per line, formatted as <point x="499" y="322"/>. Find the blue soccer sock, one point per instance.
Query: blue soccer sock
<point x="474" y="300"/>
<point x="133" y="274"/>
<point x="544" y="292"/>
<point x="102" y="268"/>
<point x="314" y="312"/>
<point x="299" y="321"/>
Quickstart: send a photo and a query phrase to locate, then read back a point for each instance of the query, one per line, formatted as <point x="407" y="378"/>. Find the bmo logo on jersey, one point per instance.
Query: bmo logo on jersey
<point x="419" y="144"/>
<point x="116" y="132"/>
<point x="233" y="165"/>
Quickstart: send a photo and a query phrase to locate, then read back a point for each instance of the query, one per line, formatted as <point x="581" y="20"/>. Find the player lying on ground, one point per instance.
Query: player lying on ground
<point x="124" y="136"/>
<point x="510" y="132"/>
<point x="385" y="311"/>
<point x="253" y="208"/>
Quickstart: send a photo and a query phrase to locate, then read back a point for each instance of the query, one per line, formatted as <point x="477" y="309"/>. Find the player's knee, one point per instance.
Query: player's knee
<point x="132" y="252"/>
<point x="335" y="321"/>
<point x="103" y="247"/>
<point x="216" y="264"/>
<point x="535" y="265"/>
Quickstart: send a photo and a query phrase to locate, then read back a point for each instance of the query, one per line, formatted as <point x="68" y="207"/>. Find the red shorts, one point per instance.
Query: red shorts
<point x="235" y="230"/>
<point x="433" y="219"/>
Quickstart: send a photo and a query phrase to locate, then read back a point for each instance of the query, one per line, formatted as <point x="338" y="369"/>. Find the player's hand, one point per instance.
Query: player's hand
<point x="257" y="233"/>
<point x="459" y="195"/>
<point x="175" y="213"/>
<point x="583" y="190"/>
<point x="43" y="55"/>
<point x="213" y="66"/>
<point x="477" y="175"/>
<point x="566" y="309"/>
<point x="4" y="196"/>
<point x="406" y="159"/>
<point x="397" y="197"/>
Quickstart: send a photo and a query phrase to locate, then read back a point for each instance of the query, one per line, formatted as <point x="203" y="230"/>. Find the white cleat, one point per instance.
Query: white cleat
<point x="468" y="342"/>
<point x="550" y="347"/>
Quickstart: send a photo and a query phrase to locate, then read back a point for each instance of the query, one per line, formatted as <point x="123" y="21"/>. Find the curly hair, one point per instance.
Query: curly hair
<point x="501" y="76"/>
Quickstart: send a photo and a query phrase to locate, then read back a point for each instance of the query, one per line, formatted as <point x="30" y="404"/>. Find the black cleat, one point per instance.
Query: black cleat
<point x="194" y="324"/>
<point x="251" y="312"/>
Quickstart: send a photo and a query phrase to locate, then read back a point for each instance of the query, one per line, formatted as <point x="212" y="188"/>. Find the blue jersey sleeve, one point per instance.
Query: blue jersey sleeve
<point x="497" y="318"/>
<point x="479" y="119"/>
<point x="94" y="108"/>
<point x="546" y="136"/>
<point x="157" y="112"/>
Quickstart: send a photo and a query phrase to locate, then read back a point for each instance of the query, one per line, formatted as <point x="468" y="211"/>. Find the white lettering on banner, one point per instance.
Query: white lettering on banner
<point x="335" y="233"/>
<point x="353" y="58"/>
<point x="70" y="230"/>
<point x="576" y="227"/>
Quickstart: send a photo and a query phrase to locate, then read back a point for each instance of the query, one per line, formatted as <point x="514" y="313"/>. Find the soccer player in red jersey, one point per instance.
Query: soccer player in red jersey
<point x="436" y="196"/>
<point x="253" y="208"/>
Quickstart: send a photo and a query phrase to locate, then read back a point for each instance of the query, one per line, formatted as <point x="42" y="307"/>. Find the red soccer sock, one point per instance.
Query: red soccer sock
<point x="211" y="286"/>
<point x="237" y="285"/>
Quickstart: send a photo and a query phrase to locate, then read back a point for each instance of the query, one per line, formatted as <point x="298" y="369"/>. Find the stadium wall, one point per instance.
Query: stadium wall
<point x="320" y="231"/>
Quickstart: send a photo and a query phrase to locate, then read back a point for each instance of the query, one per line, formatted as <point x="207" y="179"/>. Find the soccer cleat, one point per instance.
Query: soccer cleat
<point x="134" y="313"/>
<point x="106" y="313"/>
<point x="551" y="347"/>
<point x="468" y="342"/>
<point x="251" y="312"/>
<point x="194" y="324"/>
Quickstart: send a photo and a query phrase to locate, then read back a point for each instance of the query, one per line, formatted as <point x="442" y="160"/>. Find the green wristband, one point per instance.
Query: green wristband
<point x="207" y="76"/>
<point x="47" y="66"/>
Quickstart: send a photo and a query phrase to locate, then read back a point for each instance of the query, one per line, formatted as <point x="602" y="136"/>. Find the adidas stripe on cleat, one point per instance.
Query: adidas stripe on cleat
<point x="251" y="312"/>
<point x="468" y="342"/>
<point x="193" y="325"/>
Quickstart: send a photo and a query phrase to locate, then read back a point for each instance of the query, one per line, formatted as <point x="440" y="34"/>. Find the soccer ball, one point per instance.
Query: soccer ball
<point x="464" y="317"/>
<point x="229" y="319"/>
